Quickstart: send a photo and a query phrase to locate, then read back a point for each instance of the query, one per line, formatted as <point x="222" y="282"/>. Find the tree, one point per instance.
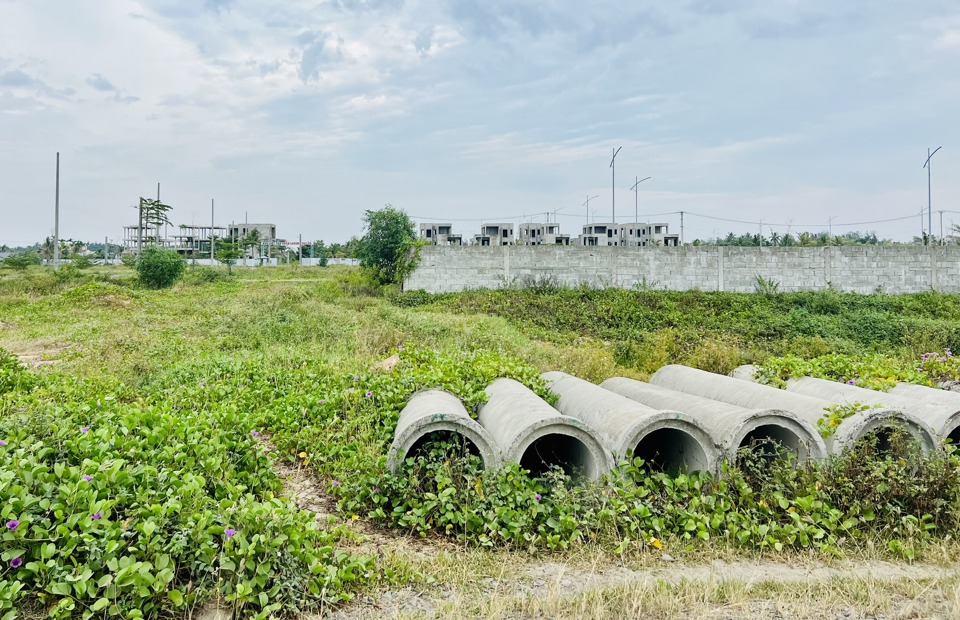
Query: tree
<point x="384" y="249"/>
<point x="159" y="268"/>
<point x="321" y="252"/>
<point x="22" y="260"/>
<point x="227" y="252"/>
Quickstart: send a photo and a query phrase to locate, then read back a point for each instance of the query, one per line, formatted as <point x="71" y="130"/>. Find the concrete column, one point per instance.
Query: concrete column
<point x="733" y="428"/>
<point x="530" y="432"/>
<point x="720" y="268"/>
<point x="666" y="440"/>
<point x="811" y="409"/>
<point x="427" y="415"/>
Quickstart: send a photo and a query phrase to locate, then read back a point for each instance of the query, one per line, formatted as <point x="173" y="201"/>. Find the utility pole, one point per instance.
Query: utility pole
<point x="212" y="237"/>
<point x="140" y="228"/>
<point x="761" y="233"/>
<point x="106" y="251"/>
<point x="636" y="204"/>
<point x="300" y="248"/>
<point x="830" y="225"/>
<point x="928" y="166"/>
<point x="613" y="185"/>
<point x="681" y="228"/>
<point x="158" y="225"/>
<point x="56" y="220"/>
<point x="941" y="227"/>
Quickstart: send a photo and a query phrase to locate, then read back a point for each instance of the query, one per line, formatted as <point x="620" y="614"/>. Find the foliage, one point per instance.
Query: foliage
<point x="874" y="371"/>
<point x="137" y="506"/>
<point x="320" y="252"/>
<point x="159" y="268"/>
<point x="21" y="260"/>
<point x="154" y="213"/>
<point x="81" y="261"/>
<point x="835" y="414"/>
<point x="227" y="252"/>
<point x="386" y="245"/>
<point x="14" y="375"/>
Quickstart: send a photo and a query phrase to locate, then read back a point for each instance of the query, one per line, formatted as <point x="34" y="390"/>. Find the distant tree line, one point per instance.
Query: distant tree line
<point x="808" y="239"/>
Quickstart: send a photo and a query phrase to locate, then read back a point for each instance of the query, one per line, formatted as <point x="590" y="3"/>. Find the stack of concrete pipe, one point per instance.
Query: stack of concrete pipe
<point x="684" y="419"/>
<point x="810" y="408"/>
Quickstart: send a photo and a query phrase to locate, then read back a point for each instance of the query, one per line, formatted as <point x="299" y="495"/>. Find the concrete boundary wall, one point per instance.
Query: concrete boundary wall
<point x="861" y="269"/>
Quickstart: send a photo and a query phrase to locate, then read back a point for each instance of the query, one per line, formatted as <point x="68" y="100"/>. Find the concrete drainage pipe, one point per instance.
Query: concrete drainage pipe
<point x="947" y="401"/>
<point x="666" y="440"/>
<point x="921" y="420"/>
<point x="768" y="432"/>
<point x="530" y="432"/>
<point x="434" y="414"/>
<point x="809" y="408"/>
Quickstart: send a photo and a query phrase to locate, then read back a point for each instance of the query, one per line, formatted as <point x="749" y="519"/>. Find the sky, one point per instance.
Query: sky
<point x="783" y="115"/>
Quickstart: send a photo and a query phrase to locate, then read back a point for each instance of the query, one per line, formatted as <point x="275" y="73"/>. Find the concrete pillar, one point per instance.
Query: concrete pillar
<point x="667" y="440"/>
<point x="528" y="431"/>
<point x="733" y="428"/>
<point x="435" y="411"/>
<point x="811" y="409"/>
<point x="920" y="421"/>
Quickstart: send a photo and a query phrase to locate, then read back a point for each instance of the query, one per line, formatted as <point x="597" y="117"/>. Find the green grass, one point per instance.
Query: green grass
<point x="176" y="388"/>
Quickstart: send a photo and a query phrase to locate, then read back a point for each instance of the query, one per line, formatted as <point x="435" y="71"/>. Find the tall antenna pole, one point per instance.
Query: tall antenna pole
<point x="681" y="228"/>
<point x="56" y="220"/>
<point x="928" y="166"/>
<point x="613" y="186"/>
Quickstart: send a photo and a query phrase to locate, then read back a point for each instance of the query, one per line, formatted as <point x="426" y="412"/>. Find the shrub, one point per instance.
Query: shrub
<point x="159" y="268"/>
<point x="22" y="260"/>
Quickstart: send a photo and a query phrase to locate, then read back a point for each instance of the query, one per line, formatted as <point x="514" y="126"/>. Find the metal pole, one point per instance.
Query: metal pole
<point x="140" y="228"/>
<point x="106" y="251"/>
<point x="613" y="186"/>
<point x="211" y="231"/>
<point x="636" y="211"/>
<point x="300" y="248"/>
<point x="928" y="165"/>
<point x="681" y="228"/>
<point x="158" y="210"/>
<point x="941" y="227"/>
<point x="56" y="220"/>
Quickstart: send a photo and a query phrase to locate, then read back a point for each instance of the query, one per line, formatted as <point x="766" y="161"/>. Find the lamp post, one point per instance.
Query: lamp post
<point x="587" y="205"/>
<point x="928" y="166"/>
<point x="613" y="186"/>
<point x="636" y="202"/>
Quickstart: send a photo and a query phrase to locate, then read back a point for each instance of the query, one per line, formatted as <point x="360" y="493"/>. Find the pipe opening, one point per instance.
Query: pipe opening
<point x="556" y="450"/>
<point x="442" y="445"/>
<point x="672" y="451"/>
<point x="888" y="441"/>
<point x="954" y="437"/>
<point x="770" y="441"/>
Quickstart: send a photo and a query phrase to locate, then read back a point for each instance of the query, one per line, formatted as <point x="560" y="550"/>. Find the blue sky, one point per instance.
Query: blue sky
<point x="306" y="113"/>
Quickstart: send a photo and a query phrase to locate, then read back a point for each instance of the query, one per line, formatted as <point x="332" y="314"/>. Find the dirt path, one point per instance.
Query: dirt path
<point x="737" y="589"/>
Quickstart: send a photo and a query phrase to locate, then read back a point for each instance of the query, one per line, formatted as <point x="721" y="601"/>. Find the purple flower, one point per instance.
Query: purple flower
<point x="87" y="477"/>
<point x="369" y="393"/>
<point x="229" y="533"/>
<point x="335" y="483"/>
<point x="851" y="382"/>
<point x="84" y="429"/>
<point x="255" y="434"/>
<point x="12" y="524"/>
<point x="3" y="442"/>
<point x="322" y="401"/>
<point x="355" y="378"/>
<point x="538" y="497"/>
<point x="96" y="516"/>
<point x="98" y="403"/>
<point x="400" y="348"/>
<point x="16" y="563"/>
<point x="203" y="384"/>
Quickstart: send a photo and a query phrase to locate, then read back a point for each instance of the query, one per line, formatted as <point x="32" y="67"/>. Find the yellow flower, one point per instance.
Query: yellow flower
<point x="656" y="543"/>
<point x="355" y="517"/>
<point x="302" y="455"/>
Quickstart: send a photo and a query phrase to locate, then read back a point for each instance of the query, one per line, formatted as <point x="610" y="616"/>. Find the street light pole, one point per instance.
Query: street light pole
<point x="636" y="203"/>
<point x="613" y="185"/>
<point x="56" y="220"/>
<point x="587" y="205"/>
<point x="928" y="166"/>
